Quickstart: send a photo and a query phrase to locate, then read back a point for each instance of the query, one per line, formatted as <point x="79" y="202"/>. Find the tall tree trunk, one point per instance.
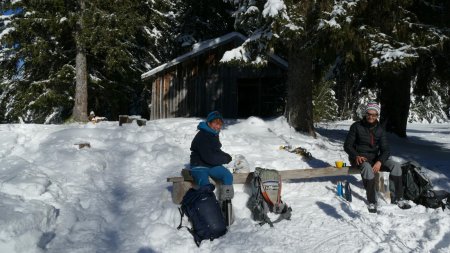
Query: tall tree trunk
<point x="395" y="101"/>
<point x="81" y="95"/>
<point x="299" y="107"/>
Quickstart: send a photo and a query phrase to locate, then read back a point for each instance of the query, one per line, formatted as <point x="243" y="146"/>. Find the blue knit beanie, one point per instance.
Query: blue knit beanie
<point x="214" y="115"/>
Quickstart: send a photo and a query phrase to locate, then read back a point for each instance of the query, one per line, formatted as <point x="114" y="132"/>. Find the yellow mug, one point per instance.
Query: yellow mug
<point x="339" y="164"/>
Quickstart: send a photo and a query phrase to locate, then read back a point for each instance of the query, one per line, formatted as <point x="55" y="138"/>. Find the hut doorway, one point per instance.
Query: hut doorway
<point x="261" y="97"/>
<point x="248" y="91"/>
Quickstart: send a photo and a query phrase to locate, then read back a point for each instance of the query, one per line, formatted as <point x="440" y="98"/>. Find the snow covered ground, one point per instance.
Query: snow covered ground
<point x="113" y="197"/>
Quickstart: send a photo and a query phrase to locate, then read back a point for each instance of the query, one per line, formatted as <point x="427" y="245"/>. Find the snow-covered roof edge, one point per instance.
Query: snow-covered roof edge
<point x="200" y="47"/>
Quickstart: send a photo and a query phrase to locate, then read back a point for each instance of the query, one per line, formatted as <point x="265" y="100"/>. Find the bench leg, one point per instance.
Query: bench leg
<point x="179" y="190"/>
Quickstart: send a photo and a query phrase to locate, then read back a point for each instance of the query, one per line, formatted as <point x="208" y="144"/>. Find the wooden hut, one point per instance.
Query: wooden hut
<point x="196" y="83"/>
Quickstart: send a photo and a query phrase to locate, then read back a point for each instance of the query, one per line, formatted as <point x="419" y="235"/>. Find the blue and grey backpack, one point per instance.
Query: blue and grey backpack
<point x="204" y="213"/>
<point x="266" y="197"/>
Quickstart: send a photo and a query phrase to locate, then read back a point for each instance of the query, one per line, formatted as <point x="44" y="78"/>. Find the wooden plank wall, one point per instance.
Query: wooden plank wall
<point x="197" y="86"/>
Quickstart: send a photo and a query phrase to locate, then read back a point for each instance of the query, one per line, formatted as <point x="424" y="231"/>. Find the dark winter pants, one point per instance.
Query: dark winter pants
<point x="369" y="182"/>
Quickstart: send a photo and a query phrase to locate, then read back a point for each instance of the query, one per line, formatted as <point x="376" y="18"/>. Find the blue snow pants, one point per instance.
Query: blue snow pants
<point x="201" y="174"/>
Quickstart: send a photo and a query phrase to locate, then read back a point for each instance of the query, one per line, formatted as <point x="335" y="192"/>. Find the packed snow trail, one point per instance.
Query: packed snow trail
<point x="113" y="197"/>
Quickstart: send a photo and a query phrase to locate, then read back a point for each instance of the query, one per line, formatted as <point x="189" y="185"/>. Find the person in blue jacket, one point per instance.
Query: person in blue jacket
<point x="207" y="158"/>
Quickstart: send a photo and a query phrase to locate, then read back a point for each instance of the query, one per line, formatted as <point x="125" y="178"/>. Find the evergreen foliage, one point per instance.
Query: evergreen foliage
<point x="324" y="101"/>
<point x="122" y="40"/>
<point x="382" y="45"/>
<point x="340" y="54"/>
<point x="428" y="109"/>
<point x="201" y="20"/>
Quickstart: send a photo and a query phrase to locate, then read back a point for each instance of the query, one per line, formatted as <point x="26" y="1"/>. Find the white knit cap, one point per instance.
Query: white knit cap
<point x="373" y="106"/>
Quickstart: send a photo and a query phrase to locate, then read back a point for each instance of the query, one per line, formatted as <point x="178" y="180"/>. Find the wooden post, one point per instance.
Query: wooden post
<point x="123" y="119"/>
<point x="179" y="190"/>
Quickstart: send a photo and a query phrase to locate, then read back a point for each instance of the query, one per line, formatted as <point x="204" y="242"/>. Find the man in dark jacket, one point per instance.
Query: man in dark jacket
<point x="368" y="149"/>
<point x="207" y="157"/>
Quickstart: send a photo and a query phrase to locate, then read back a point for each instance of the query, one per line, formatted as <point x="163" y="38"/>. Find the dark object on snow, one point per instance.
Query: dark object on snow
<point x="125" y="119"/>
<point x="435" y="199"/>
<point x="266" y="191"/>
<point x="204" y="213"/>
<point x="299" y="151"/>
<point x="347" y="192"/>
<point x="83" y="145"/>
<point x="418" y="188"/>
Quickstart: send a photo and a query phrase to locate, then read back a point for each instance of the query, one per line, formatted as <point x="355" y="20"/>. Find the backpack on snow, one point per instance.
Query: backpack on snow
<point x="265" y="198"/>
<point x="204" y="213"/>
<point x="418" y="188"/>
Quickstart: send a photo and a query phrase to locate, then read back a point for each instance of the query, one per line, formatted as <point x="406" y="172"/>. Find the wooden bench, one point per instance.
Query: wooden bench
<point x="182" y="184"/>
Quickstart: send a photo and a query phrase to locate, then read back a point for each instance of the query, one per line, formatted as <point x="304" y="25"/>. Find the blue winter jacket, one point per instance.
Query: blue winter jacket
<point x="205" y="148"/>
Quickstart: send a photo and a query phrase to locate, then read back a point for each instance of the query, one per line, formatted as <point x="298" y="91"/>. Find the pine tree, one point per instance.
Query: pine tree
<point x="294" y="29"/>
<point x="201" y="20"/>
<point x="394" y="45"/>
<point x="375" y="44"/>
<point x="119" y="42"/>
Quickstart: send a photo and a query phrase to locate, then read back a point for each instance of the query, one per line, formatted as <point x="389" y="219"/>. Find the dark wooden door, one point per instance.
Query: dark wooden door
<point x="248" y="98"/>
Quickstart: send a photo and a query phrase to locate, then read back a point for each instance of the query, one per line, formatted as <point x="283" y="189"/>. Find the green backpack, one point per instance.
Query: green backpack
<point x="266" y="197"/>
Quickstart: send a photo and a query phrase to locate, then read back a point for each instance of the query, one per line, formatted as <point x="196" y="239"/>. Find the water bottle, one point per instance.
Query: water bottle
<point x="348" y="192"/>
<point x="339" y="189"/>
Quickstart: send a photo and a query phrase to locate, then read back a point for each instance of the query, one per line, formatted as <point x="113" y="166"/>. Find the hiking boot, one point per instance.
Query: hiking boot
<point x="372" y="208"/>
<point x="403" y="204"/>
<point x="226" y="192"/>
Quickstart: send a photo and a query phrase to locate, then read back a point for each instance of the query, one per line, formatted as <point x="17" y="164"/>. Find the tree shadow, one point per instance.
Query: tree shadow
<point x="316" y="163"/>
<point x="146" y="250"/>
<point x="349" y="212"/>
<point x="336" y="135"/>
<point x="444" y="243"/>
<point x="45" y="239"/>
<point x="434" y="130"/>
<point x="329" y="210"/>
